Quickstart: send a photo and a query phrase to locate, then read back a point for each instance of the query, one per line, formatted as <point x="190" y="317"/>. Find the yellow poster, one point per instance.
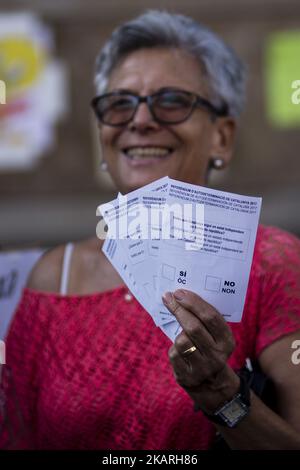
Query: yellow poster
<point x="282" y="78"/>
<point x="32" y="96"/>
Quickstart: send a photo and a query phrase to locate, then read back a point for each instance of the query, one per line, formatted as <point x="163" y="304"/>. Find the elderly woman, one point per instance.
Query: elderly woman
<point x="86" y="366"/>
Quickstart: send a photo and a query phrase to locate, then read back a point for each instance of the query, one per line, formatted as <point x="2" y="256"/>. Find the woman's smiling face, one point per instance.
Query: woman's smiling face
<point x="144" y="150"/>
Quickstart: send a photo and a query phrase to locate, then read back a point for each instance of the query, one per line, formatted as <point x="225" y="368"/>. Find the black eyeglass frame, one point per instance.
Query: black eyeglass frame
<point x="198" y="101"/>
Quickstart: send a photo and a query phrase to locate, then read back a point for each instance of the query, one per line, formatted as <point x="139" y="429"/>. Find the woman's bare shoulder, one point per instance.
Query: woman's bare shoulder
<point x="46" y="273"/>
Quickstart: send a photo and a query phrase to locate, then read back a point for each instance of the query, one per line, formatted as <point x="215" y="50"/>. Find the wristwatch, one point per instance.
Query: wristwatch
<point x="234" y="410"/>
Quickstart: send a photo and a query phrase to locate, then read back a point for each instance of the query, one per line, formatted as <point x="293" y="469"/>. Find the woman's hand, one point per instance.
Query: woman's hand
<point x="203" y="372"/>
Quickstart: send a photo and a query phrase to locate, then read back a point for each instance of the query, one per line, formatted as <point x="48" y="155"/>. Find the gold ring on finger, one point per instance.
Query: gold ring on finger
<point x="189" y="351"/>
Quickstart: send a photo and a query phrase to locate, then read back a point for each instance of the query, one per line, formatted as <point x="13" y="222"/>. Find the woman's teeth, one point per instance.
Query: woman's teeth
<point x="140" y="152"/>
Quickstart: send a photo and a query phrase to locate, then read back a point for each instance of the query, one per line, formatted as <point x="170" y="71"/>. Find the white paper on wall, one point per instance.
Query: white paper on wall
<point x="14" y="270"/>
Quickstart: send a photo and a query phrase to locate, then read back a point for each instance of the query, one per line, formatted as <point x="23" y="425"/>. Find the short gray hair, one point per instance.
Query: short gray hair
<point x="225" y="72"/>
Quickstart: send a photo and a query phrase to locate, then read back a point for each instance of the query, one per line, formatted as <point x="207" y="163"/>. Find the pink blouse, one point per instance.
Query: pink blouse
<point x="92" y="371"/>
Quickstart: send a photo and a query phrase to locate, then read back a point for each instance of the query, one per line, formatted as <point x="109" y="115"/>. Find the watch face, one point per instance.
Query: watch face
<point x="233" y="411"/>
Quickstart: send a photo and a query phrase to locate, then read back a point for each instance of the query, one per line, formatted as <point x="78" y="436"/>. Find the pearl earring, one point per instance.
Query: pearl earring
<point x="218" y="163"/>
<point x="103" y="165"/>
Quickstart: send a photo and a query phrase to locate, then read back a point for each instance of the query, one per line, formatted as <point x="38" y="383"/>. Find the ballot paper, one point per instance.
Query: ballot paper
<point x="130" y="246"/>
<point x="170" y="234"/>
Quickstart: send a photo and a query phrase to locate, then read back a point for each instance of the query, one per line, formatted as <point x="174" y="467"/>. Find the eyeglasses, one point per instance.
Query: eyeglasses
<point x="167" y="106"/>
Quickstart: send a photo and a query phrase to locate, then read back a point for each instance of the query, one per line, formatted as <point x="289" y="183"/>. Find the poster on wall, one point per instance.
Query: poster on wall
<point x="35" y="90"/>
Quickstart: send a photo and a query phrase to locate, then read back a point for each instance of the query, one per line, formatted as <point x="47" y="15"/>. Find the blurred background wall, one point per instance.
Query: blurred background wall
<point x="56" y="198"/>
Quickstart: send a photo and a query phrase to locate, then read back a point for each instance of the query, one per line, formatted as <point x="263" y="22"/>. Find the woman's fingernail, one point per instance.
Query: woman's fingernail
<point x="167" y="297"/>
<point x="179" y="294"/>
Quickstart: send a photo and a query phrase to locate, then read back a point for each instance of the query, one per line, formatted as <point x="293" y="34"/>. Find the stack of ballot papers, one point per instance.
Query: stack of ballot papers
<point x="169" y="235"/>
